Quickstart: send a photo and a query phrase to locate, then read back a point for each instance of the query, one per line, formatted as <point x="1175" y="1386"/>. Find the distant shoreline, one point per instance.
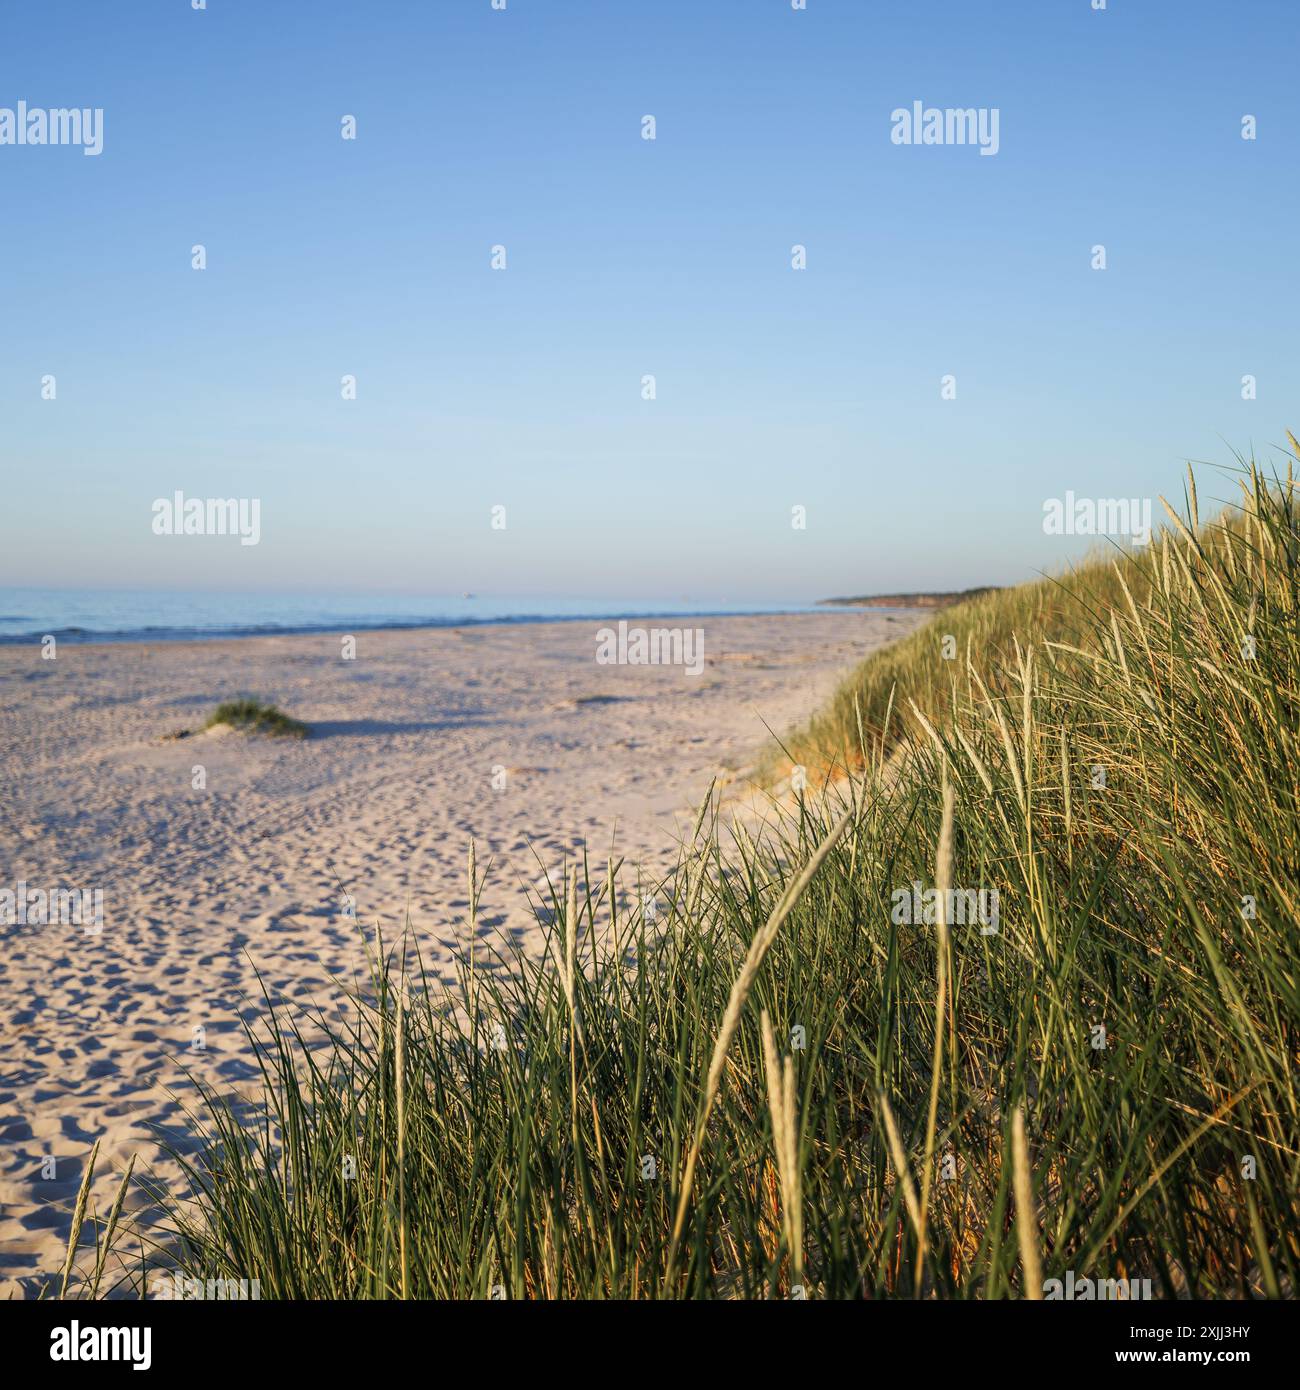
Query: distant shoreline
<point x="74" y="634"/>
<point x="934" y="600"/>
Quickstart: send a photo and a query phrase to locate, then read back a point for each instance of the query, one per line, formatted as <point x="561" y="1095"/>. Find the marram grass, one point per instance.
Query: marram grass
<point x="776" y="1088"/>
<point x="258" y="717"/>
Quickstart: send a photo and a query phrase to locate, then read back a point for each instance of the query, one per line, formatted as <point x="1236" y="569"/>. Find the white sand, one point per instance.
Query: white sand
<point x="394" y="780"/>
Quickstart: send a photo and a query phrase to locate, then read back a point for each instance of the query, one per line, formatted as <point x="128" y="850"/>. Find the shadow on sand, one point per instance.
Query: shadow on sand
<point x="362" y="728"/>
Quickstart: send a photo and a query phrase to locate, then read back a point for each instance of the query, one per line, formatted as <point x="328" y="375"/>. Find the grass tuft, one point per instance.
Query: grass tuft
<point x="257" y="717"/>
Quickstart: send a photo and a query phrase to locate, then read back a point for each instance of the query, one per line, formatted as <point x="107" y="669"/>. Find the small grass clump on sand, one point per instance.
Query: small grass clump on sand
<point x="782" y="1081"/>
<point x="256" y="716"/>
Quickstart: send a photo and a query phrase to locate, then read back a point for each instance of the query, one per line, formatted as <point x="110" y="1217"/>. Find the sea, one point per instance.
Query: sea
<point x="128" y="615"/>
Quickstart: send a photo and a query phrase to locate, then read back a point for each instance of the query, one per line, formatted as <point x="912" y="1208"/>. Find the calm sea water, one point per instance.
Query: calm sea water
<point x="26" y="615"/>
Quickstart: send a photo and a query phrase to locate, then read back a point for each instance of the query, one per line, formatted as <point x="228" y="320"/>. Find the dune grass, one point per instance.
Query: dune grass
<point x="771" y="1086"/>
<point x="257" y="717"/>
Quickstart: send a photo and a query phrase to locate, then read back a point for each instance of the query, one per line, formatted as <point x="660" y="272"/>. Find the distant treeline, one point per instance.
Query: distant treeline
<point x="943" y="600"/>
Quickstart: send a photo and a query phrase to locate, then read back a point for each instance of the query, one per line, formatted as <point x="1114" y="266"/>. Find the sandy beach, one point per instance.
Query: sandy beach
<point x="512" y="734"/>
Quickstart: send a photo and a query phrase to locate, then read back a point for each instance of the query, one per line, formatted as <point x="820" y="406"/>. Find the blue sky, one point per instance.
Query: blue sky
<point x="523" y="388"/>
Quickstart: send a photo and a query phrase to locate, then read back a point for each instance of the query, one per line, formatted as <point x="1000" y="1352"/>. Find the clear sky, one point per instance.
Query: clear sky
<point x="627" y="257"/>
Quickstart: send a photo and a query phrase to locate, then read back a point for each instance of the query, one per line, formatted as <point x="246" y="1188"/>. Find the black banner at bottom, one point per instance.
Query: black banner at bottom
<point x="215" y="1339"/>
